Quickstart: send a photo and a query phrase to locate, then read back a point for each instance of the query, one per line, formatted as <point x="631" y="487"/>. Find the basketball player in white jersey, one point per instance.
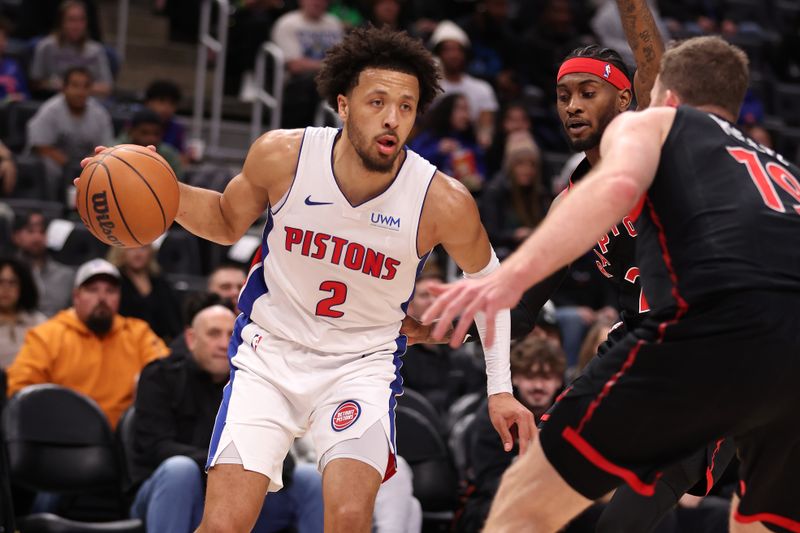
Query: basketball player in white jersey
<point x="351" y="218"/>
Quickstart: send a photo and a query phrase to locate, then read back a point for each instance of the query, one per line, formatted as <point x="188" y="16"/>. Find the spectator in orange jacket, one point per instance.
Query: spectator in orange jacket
<point x="89" y="348"/>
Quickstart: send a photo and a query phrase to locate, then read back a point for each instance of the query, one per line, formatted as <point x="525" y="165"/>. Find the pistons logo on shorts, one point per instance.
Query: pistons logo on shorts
<point x="345" y="415"/>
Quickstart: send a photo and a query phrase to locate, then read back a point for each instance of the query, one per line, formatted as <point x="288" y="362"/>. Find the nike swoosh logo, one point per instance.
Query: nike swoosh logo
<point x="309" y="201"/>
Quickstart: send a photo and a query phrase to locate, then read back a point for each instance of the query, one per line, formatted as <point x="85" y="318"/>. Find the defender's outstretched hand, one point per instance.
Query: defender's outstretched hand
<point x="489" y="295"/>
<point x="505" y="411"/>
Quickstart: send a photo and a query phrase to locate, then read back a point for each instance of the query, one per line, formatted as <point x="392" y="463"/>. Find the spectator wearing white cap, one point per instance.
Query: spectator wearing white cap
<point x="451" y="45"/>
<point x="89" y="347"/>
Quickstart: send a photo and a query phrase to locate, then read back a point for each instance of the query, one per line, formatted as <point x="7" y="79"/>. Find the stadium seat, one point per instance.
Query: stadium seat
<point x="6" y="505"/>
<point x="59" y="441"/>
<point x="787" y="143"/>
<point x="124" y="440"/>
<point x="50" y="210"/>
<point x="31" y="182"/>
<point x="209" y="176"/>
<point x="179" y="253"/>
<point x="420" y="444"/>
<point x="462" y="407"/>
<point x="786" y="99"/>
<point x="412" y="399"/>
<point x="552" y="163"/>
<point x="79" y="247"/>
<point x="786" y="14"/>
<point x="459" y="443"/>
<point x="19" y="113"/>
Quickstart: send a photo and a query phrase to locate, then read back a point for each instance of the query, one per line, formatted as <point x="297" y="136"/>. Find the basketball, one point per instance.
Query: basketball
<point x="127" y="196"/>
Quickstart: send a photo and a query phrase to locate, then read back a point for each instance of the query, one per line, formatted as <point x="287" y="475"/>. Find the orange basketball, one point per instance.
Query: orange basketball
<point x="127" y="196"/>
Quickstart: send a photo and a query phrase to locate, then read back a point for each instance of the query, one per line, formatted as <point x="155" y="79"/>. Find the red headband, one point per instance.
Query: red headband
<point x="601" y="69"/>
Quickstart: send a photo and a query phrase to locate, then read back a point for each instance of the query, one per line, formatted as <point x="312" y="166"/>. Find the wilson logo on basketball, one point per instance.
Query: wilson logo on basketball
<point x="100" y="207"/>
<point x="345" y="415"/>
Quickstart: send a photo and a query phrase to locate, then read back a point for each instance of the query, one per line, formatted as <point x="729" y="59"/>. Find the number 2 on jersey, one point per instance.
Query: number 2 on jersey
<point x="761" y="179"/>
<point x="325" y="306"/>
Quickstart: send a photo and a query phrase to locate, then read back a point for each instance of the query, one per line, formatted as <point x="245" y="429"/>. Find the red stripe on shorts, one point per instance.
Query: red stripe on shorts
<point x="597" y="459"/>
<point x="780" y="521"/>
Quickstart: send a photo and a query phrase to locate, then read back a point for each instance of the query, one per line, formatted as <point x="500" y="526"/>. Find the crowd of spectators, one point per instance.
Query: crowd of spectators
<point x="111" y="325"/>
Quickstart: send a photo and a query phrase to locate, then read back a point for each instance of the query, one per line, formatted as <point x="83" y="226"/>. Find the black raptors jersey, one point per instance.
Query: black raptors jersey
<point x="615" y="257"/>
<point x="722" y="214"/>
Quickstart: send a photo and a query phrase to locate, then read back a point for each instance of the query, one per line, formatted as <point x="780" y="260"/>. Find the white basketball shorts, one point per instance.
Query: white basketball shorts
<point x="279" y="390"/>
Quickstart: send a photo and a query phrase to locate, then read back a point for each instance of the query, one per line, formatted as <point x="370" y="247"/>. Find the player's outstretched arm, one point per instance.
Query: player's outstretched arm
<point x="630" y="149"/>
<point x="645" y="42"/>
<point x="456" y="225"/>
<point x="267" y="172"/>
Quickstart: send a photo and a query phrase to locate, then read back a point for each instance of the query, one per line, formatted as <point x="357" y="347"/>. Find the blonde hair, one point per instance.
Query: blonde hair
<point x="116" y="256"/>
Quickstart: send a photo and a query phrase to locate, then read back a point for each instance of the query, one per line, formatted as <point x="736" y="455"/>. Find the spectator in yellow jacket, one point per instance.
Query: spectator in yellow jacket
<point x="89" y="348"/>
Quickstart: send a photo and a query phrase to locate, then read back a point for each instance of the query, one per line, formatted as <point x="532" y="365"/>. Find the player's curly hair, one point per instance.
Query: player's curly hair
<point x="608" y="55"/>
<point x="372" y="47"/>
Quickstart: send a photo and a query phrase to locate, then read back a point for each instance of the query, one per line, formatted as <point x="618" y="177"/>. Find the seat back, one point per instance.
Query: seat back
<point x="31" y="182"/>
<point x="417" y="439"/>
<point x="459" y="443"/>
<point x="419" y="443"/>
<point x="124" y="438"/>
<point x="59" y="441"/>
<point x="411" y="399"/>
<point x="19" y="114"/>
<point x="6" y="504"/>
<point x="462" y="407"/>
<point x="786" y="98"/>
<point x="180" y="253"/>
<point x="80" y="246"/>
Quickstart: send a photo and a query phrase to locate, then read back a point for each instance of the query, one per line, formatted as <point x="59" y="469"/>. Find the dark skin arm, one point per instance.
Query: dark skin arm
<point x="645" y="42"/>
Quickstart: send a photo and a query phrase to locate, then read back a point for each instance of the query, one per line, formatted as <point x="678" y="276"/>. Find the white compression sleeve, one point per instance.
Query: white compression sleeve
<point x="498" y="366"/>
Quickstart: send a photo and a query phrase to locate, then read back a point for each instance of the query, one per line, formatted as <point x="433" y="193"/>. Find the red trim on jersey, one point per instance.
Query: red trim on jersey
<point x="596" y="458"/>
<point x="602" y="69"/>
<point x="780" y="521"/>
<point x="391" y="468"/>
<point x="637" y="209"/>
<point x="256" y="258"/>
<point x="710" y="468"/>
<point x="662" y="239"/>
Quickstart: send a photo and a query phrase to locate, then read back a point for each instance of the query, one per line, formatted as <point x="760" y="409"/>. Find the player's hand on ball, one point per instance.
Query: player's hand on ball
<point x="97" y="149"/>
<point x="505" y="411"/>
<point x="468" y="297"/>
<point x="419" y="333"/>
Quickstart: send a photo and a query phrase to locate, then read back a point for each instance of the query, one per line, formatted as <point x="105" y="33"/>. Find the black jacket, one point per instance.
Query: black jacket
<point x="176" y="405"/>
<point x="160" y="308"/>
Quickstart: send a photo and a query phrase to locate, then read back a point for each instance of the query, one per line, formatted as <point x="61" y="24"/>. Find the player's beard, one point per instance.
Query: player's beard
<point x="373" y="163"/>
<point x="593" y="140"/>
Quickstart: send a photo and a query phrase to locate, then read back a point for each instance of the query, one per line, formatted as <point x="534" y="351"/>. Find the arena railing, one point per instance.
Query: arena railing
<point x="218" y="45"/>
<point x="273" y="100"/>
<point x="122" y="28"/>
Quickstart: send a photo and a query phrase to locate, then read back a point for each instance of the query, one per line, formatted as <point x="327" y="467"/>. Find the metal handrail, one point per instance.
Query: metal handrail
<point x="218" y="45"/>
<point x="273" y="100"/>
<point x="323" y="110"/>
<point x="122" y="28"/>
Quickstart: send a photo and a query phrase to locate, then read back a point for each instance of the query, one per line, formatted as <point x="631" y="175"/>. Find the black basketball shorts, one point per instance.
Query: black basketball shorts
<point x="727" y="367"/>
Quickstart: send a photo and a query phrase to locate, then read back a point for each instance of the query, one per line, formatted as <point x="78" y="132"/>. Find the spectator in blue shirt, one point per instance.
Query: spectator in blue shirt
<point x="12" y="78"/>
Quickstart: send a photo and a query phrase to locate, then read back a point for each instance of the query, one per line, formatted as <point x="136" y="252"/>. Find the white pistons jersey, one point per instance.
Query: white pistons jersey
<point x="331" y="276"/>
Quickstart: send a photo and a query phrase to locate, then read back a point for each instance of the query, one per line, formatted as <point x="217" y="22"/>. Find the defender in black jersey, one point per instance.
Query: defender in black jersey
<point x="719" y="353"/>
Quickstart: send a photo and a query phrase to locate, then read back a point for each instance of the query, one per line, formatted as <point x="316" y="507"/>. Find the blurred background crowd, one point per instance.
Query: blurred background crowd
<point x="91" y="319"/>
